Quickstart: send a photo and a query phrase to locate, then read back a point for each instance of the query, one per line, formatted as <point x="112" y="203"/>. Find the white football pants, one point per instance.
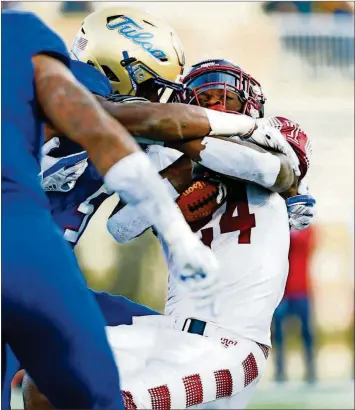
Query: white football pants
<point x="165" y="368"/>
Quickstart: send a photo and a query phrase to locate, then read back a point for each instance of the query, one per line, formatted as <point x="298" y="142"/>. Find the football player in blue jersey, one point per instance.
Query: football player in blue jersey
<point x="34" y="302"/>
<point x="73" y="210"/>
<point x="57" y="305"/>
<point x="178" y="122"/>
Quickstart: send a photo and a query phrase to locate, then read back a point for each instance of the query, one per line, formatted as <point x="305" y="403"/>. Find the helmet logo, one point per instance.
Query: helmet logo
<point x="208" y="64"/>
<point x="134" y="32"/>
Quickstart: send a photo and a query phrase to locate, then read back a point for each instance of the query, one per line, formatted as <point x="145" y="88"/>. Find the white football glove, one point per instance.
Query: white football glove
<point x="50" y="146"/>
<point x="270" y="137"/>
<point x="301" y="208"/>
<point x="195" y="266"/>
<point x="61" y="174"/>
<point x="198" y="269"/>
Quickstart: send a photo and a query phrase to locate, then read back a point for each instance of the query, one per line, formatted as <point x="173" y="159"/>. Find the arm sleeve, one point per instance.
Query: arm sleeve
<point x="126" y="224"/>
<point x="239" y="161"/>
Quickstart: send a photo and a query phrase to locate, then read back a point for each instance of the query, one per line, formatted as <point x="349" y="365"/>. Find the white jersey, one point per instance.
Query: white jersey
<point x="250" y="235"/>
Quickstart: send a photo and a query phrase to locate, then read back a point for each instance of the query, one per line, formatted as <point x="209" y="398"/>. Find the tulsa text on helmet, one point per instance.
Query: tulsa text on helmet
<point x="134" y="32"/>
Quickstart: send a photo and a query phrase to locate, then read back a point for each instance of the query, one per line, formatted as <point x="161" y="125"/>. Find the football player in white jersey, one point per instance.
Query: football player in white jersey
<point x="164" y="361"/>
<point x="190" y="380"/>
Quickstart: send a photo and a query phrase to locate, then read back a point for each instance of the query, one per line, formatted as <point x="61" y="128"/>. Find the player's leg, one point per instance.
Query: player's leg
<point x="303" y="310"/>
<point x="49" y="318"/>
<point x="279" y="319"/>
<point x="34" y="400"/>
<point x="168" y="369"/>
<point x="186" y="369"/>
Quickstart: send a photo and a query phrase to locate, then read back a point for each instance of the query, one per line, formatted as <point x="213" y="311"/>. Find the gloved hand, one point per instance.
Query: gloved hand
<point x="196" y="270"/>
<point x="301" y="208"/>
<point x="61" y="174"/>
<point x="270" y="137"/>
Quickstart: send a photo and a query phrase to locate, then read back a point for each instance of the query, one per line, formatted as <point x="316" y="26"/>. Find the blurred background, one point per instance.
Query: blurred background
<point x="303" y="55"/>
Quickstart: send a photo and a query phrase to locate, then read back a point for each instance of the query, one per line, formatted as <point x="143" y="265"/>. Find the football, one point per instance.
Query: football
<point x="201" y="199"/>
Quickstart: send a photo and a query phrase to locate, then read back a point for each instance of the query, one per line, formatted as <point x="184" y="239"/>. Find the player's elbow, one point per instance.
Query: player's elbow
<point x="286" y="176"/>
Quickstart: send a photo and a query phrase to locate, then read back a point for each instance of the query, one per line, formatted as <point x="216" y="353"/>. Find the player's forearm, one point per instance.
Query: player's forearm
<point x="176" y="122"/>
<point x="76" y="113"/>
<point x="286" y="177"/>
<point x="179" y="174"/>
<point x="292" y="190"/>
<point x="165" y="122"/>
<point x="241" y="160"/>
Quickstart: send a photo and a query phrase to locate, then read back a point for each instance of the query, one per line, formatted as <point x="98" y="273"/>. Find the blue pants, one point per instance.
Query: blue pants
<point x="49" y="319"/>
<point x="298" y="307"/>
<point x="118" y="310"/>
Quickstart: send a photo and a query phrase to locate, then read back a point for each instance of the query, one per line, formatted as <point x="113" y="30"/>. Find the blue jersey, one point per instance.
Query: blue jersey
<point x="24" y="36"/>
<point x="73" y="210"/>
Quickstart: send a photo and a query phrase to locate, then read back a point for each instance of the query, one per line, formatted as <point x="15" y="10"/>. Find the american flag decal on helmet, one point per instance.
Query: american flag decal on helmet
<point x="81" y="43"/>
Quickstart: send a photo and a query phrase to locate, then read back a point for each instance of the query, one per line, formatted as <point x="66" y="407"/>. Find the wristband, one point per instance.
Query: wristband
<point x="226" y="124"/>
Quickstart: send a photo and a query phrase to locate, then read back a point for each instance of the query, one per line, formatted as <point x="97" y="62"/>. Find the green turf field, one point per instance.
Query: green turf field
<point x="292" y="395"/>
<point x="295" y="395"/>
